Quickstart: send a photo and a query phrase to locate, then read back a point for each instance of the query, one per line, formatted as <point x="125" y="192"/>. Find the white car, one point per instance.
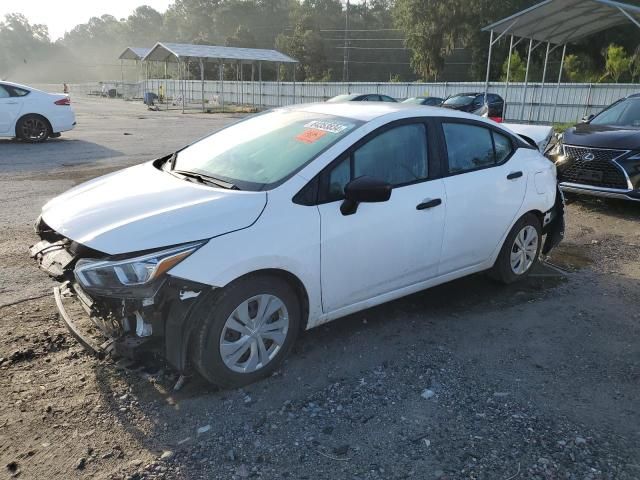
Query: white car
<point x="33" y="115"/>
<point x="221" y="254"/>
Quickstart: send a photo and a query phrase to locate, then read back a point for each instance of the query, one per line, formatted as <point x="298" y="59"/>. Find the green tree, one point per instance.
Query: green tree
<point x="634" y="68"/>
<point x="518" y="69"/>
<point x="431" y="28"/>
<point x="617" y="62"/>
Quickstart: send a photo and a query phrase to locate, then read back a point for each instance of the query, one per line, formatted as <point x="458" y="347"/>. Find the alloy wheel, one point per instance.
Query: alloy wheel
<point x="524" y="250"/>
<point x="34" y="129"/>
<point x="254" y="333"/>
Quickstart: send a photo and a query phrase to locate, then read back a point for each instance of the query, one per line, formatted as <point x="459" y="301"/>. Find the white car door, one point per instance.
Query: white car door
<point x="9" y="109"/>
<point x="382" y="247"/>
<point x="485" y="188"/>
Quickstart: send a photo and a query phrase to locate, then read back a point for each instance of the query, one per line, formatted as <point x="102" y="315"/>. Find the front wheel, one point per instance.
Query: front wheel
<point x="245" y="330"/>
<point x="520" y="251"/>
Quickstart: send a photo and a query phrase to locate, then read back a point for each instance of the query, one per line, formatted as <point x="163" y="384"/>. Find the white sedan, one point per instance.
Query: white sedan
<point x="221" y="254"/>
<point x="33" y="115"/>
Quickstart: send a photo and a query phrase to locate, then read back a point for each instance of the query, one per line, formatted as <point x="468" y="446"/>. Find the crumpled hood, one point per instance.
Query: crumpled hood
<point x="142" y="208"/>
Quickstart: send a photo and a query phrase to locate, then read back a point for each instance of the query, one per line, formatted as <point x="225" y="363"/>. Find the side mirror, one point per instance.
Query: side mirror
<point x="587" y="118"/>
<point x="364" y="190"/>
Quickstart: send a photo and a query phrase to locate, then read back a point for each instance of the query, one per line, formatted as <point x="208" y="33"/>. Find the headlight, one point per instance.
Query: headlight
<point x="635" y="156"/>
<point x="137" y="277"/>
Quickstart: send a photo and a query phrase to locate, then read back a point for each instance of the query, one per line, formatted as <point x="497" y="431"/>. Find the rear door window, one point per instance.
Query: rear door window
<point x="4" y="93"/>
<point x="473" y="147"/>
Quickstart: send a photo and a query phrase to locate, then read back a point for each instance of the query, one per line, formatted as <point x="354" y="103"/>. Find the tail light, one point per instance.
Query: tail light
<point x="63" y="101"/>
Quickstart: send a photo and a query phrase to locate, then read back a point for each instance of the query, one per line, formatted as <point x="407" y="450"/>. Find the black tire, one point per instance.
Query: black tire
<point x="33" y="129"/>
<point x="212" y="314"/>
<point x="502" y="270"/>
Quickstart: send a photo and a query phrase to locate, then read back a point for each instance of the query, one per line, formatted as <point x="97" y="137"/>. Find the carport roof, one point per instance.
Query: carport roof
<point x="133" y="53"/>
<point x="565" y="21"/>
<point x="163" y="52"/>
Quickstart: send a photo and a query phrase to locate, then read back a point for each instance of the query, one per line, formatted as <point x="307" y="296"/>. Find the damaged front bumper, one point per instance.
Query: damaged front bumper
<point x="554" y="224"/>
<point x="158" y="326"/>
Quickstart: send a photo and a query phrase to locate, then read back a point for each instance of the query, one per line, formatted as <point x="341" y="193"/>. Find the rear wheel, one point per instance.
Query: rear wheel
<point x="520" y="251"/>
<point x="246" y="330"/>
<point x="33" y="129"/>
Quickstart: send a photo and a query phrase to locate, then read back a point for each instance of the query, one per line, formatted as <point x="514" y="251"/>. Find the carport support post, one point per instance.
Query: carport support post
<point x="278" y="79"/>
<point x="222" y="84"/>
<point x="253" y="85"/>
<point x="544" y="77"/>
<point x="526" y="79"/>
<point x="122" y="77"/>
<point x="555" y="104"/>
<point x="183" y="83"/>
<point x="260" y="77"/>
<point x="202" y="83"/>
<point x="506" y="86"/>
<point x="486" y="84"/>
<point x="166" y="85"/>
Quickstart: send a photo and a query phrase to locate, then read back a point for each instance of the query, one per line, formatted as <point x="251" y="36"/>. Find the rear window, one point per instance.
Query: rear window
<point x="460" y="100"/>
<point x="18" y="92"/>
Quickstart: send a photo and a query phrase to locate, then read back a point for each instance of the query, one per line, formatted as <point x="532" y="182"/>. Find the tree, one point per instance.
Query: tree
<point x="243" y="38"/>
<point x="634" y="67"/>
<point x="143" y="26"/>
<point x="21" y="44"/>
<point x="617" y="62"/>
<point x="518" y="69"/>
<point x="431" y="28"/>
<point x="578" y="69"/>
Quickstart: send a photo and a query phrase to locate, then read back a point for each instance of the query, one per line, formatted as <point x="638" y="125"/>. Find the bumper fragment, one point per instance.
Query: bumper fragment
<point x="85" y="340"/>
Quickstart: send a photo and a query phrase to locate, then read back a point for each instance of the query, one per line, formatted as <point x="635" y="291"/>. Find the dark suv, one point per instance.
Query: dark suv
<point x="474" y="103"/>
<point x="601" y="156"/>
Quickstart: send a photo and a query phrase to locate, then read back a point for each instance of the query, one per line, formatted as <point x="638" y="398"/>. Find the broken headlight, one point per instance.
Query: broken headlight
<point x="137" y="277"/>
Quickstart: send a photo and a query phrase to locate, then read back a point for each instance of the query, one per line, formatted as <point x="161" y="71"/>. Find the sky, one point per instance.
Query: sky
<point x="62" y="15"/>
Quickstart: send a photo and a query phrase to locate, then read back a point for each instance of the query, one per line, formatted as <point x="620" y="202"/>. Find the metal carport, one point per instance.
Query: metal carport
<point x="556" y="23"/>
<point x="135" y="54"/>
<point x="182" y="54"/>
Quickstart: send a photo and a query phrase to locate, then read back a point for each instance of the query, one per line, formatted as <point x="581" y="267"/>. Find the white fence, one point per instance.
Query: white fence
<point x="573" y="100"/>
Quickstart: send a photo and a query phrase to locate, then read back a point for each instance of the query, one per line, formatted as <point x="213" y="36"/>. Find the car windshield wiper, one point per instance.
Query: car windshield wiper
<point x="206" y="179"/>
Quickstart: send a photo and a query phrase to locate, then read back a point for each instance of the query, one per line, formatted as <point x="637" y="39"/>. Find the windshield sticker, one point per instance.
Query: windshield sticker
<point x="311" y="135"/>
<point x="328" y="126"/>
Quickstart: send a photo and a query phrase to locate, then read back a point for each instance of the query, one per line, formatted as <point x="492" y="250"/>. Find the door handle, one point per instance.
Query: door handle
<point x="429" y="204"/>
<point x="11" y="103"/>
<point x="514" y="175"/>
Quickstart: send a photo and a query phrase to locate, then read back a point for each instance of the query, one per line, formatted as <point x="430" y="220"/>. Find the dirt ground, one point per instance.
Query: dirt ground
<point x="469" y="380"/>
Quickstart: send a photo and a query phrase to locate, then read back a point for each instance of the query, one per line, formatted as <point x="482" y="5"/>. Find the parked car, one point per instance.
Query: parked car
<point x="601" y="156"/>
<point x="426" y="101"/>
<point x="33" y="115"/>
<point x="221" y="253"/>
<point x="361" y="97"/>
<point x="475" y="102"/>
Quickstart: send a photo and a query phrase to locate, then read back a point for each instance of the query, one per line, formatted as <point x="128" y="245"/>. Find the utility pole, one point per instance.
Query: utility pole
<point x="345" y="68"/>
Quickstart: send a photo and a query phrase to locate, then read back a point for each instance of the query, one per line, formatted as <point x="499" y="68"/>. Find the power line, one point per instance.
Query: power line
<point x="371" y="63"/>
<point x="374" y="48"/>
<point x="366" y="39"/>
<point x="365" y="30"/>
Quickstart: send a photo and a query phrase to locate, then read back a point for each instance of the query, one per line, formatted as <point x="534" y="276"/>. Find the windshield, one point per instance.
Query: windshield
<point x="622" y="114"/>
<point x="460" y="100"/>
<point x="264" y="149"/>
<point x="342" y="98"/>
<point x="415" y="100"/>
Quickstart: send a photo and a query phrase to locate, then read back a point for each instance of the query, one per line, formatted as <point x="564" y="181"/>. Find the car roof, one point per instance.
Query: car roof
<point x="368" y="111"/>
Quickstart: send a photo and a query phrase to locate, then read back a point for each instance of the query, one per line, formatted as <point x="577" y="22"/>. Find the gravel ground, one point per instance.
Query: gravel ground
<point x="468" y="380"/>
